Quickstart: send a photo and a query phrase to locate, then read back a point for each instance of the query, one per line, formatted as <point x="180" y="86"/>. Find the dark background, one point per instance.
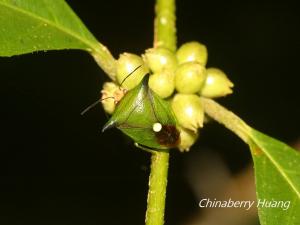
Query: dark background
<point x="57" y="167"/>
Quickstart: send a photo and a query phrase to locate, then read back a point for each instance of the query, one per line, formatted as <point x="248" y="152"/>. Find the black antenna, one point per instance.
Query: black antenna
<point x="130" y="74"/>
<point x="94" y="104"/>
<point x="100" y="100"/>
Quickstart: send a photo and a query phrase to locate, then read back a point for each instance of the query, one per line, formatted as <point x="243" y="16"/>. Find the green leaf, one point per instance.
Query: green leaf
<point x="277" y="168"/>
<point x="34" y="25"/>
<point x="277" y="174"/>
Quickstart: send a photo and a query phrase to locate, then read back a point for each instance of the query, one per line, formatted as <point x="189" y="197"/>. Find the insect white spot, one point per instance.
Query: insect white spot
<point x="157" y="127"/>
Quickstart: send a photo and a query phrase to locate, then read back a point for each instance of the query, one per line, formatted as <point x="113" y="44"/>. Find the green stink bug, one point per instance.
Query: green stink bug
<point x="146" y="118"/>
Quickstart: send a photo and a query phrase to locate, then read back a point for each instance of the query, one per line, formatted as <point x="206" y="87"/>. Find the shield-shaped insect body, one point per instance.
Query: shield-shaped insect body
<point x="146" y="118"/>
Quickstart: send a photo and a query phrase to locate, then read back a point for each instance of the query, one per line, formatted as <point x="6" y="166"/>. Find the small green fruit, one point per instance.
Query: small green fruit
<point x="159" y="59"/>
<point x="192" y="51"/>
<point x="187" y="139"/>
<point x="189" y="77"/>
<point x="188" y="111"/>
<point x="216" y="84"/>
<point x="162" y="83"/>
<point x="127" y="63"/>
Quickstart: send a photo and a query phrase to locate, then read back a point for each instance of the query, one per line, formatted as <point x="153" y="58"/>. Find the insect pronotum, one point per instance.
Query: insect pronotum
<point x="145" y="117"/>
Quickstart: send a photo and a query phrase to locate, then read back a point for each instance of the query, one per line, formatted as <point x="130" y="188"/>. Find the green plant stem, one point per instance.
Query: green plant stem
<point x="104" y="59"/>
<point x="157" y="188"/>
<point x="164" y="24"/>
<point x="227" y="118"/>
<point x="164" y="36"/>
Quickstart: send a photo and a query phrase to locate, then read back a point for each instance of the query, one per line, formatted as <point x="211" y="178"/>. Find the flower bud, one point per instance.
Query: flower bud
<point x="111" y="94"/>
<point x="187" y="139"/>
<point x="189" y="77"/>
<point x="162" y="83"/>
<point x="192" y="51"/>
<point x="188" y="111"/>
<point x="126" y="64"/>
<point x="216" y="84"/>
<point x="159" y="59"/>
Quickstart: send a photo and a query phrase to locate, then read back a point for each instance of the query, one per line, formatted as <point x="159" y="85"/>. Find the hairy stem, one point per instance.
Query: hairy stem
<point x="227" y="118"/>
<point x="164" y="36"/>
<point x="164" y="24"/>
<point x="104" y="59"/>
<point x="157" y="188"/>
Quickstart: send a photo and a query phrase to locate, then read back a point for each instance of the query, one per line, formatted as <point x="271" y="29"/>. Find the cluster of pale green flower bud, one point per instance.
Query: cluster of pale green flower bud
<point x="181" y="78"/>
